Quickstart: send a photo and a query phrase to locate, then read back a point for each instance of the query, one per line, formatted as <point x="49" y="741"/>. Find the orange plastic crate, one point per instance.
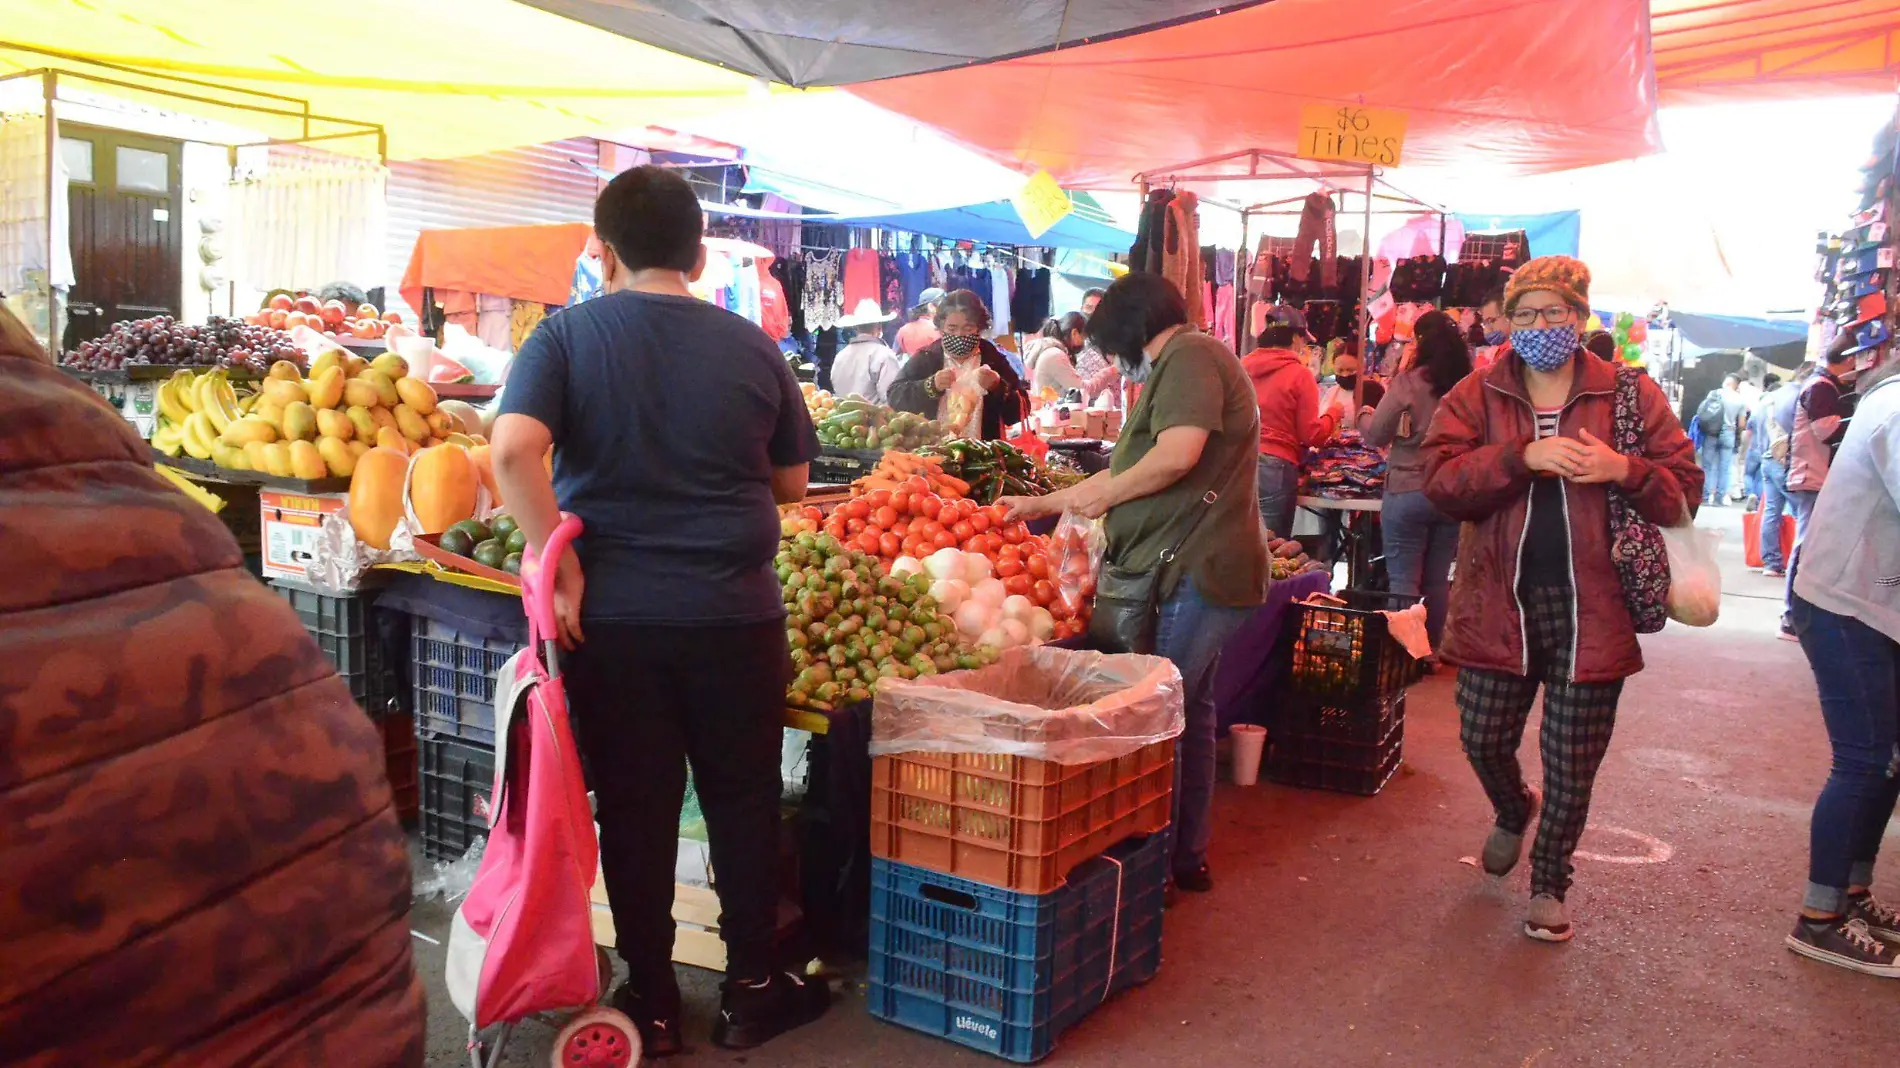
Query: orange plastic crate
<point x="1013" y="822"/>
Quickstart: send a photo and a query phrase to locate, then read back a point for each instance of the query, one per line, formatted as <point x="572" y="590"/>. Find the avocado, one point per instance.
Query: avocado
<point x="476" y="530"/>
<point x="456" y="541"/>
<point x="516" y="541"/>
<point x="511" y="563"/>
<point x="490" y="553"/>
<point x="501" y="526"/>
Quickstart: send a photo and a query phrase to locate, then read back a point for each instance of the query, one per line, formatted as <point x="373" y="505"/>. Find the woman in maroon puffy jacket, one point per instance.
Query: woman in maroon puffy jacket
<point x="199" y="861"/>
<point x="1519" y="454"/>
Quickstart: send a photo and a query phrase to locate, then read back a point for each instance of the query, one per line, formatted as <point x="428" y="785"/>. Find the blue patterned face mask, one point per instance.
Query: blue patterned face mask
<point x="1496" y="337"/>
<point x="1546" y="348"/>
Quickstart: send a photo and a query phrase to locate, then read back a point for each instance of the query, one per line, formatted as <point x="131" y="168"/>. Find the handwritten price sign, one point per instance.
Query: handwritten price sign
<point x="1354" y="134"/>
<point x="1042" y="203"/>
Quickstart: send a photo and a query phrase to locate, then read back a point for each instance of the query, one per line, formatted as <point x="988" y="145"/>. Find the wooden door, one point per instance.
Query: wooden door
<point x="124" y="195"/>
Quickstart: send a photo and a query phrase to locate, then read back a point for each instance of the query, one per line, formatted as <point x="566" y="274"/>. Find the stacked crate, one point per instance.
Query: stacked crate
<point x="1342" y="725"/>
<point x="453" y="685"/>
<point x="1010" y="897"/>
<point x="351" y="633"/>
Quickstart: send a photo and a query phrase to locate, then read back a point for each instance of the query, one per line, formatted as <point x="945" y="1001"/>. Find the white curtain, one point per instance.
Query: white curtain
<point x="23" y="206"/>
<point x="304" y="223"/>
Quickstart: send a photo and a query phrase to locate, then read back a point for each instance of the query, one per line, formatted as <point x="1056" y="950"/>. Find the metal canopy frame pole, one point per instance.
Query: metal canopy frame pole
<point x="1365" y="274"/>
<point x="49" y="88"/>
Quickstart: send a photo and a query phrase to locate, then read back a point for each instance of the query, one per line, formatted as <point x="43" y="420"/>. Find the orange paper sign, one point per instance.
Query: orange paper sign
<point x="1354" y="134"/>
<point x="1042" y="203"/>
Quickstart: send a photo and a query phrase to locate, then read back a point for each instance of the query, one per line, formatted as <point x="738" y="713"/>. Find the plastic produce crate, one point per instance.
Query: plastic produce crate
<point x="400" y="761"/>
<point x="1320" y="763"/>
<point x="1347" y="653"/>
<point x="1004" y="972"/>
<point x="1012" y="822"/>
<point x="457" y="781"/>
<point x="454" y="678"/>
<point x="1366" y="721"/>
<point x="344" y="627"/>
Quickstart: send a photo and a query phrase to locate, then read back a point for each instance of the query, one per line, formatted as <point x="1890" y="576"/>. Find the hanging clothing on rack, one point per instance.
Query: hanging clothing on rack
<point x="1151" y="233"/>
<point x="860" y="277"/>
<point x="824" y="291"/>
<point x="1317" y="229"/>
<point x="1181" y="253"/>
<point x="913" y="274"/>
<point x="998" y="301"/>
<point x="1031" y="306"/>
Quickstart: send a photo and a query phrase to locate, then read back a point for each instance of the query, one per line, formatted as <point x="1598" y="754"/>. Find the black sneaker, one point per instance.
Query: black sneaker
<point x="1882" y="922"/>
<point x="659" y="1030"/>
<point x="1844" y="943"/>
<point x="752" y="1015"/>
<point x="1787" y="633"/>
<point x="1198" y="881"/>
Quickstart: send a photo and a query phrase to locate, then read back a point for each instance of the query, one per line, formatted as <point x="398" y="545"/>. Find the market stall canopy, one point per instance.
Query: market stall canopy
<point x="442" y="77"/>
<point x="838" y="42"/>
<point x="997" y="223"/>
<point x="1526" y="87"/>
<point x="1709" y="50"/>
<point x="523" y="262"/>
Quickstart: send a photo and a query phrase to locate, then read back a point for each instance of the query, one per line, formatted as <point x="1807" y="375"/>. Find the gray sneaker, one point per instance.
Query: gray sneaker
<point x="1502" y="848"/>
<point x="1844" y="943"/>
<point x="1882" y="922"/>
<point x="1547" y="921"/>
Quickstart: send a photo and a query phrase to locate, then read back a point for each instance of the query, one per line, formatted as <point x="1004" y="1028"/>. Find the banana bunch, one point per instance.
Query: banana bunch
<point x="194" y="409"/>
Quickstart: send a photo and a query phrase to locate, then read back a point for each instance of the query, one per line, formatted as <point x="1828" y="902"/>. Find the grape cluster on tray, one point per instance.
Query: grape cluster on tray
<point x="164" y="342"/>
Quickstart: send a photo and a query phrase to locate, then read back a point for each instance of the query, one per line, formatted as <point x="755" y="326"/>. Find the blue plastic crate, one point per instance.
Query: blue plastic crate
<point x="454" y="679"/>
<point x="1005" y="972"/>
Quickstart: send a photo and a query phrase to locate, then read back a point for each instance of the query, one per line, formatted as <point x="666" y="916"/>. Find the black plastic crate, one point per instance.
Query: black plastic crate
<point x="1347" y="653"/>
<point x="453" y="675"/>
<point x="349" y="631"/>
<point x="1319" y="763"/>
<point x="457" y="781"/>
<point x="1366" y="721"/>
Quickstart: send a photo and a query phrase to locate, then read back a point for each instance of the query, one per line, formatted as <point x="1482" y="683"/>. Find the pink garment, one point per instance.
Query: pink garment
<point x="861" y="278"/>
<point x="1224" y="314"/>
<point x="494" y="318"/>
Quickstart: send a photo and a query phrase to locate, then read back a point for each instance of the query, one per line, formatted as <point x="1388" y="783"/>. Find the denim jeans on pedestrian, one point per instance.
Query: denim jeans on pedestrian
<point x="1421" y="543"/>
<point x="1717" y="457"/>
<point x="1751" y="474"/>
<point x="1191" y="632"/>
<point x="1279" y="484"/>
<point x="1774" y="501"/>
<point x="1801" y="503"/>
<point x="1855" y="668"/>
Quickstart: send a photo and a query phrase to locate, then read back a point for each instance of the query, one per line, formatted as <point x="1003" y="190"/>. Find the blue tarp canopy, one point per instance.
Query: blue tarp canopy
<point x="998" y="224"/>
<point x="1556" y="233"/>
<point x="1736" y="331"/>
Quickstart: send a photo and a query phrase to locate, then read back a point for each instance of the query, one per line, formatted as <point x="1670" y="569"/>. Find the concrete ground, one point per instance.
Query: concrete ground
<point x="1351" y="931"/>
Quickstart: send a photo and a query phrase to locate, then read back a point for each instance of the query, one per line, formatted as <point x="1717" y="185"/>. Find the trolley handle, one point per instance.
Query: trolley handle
<point x="537" y="590"/>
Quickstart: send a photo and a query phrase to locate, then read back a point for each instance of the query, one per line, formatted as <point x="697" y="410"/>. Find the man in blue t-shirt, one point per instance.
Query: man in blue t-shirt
<point x="677" y="428"/>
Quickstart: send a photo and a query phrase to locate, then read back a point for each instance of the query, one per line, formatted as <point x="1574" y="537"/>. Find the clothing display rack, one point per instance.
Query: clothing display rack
<point x="1327" y="177"/>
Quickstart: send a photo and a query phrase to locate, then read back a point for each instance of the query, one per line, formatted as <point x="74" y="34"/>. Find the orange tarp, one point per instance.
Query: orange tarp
<point x="524" y="262"/>
<point x="1723" y="49"/>
<point x="1527" y="85"/>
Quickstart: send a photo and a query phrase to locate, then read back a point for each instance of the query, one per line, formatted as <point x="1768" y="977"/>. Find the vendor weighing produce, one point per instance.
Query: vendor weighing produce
<point x="962" y="381"/>
<point x="676" y="425"/>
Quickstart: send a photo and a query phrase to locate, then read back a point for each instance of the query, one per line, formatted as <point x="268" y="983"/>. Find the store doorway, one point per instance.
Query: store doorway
<point x="123" y="193"/>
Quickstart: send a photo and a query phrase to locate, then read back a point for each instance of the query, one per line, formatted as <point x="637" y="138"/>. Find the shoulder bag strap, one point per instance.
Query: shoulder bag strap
<point x="1204" y="505"/>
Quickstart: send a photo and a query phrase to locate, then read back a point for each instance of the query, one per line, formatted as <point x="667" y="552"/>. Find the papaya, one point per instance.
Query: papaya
<point x="485" y="470"/>
<point x="376" y="495"/>
<point x="442" y="488"/>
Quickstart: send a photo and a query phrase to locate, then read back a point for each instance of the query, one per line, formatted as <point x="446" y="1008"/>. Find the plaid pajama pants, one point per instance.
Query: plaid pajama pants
<point x="1494" y="707"/>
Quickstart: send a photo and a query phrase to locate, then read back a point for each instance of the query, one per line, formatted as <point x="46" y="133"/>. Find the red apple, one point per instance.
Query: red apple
<point x="309" y="306"/>
<point x="366" y="311"/>
<point x="334" y="312"/>
<point x="275" y="318"/>
<point x="392" y="317"/>
<point x="282" y="302"/>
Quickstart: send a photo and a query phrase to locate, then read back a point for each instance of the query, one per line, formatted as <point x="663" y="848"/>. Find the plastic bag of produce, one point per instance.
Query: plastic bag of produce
<point x="1695" y="580"/>
<point x="1076" y="547"/>
<point x="1065" y="705"/>
<point x="963" y="403"/>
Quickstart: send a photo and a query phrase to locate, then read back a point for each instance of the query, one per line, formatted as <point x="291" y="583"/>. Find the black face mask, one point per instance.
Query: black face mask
<point x="1346" y="381"/>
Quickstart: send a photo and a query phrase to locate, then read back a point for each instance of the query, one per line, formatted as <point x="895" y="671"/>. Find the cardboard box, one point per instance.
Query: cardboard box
<point x="139" y="405"/>
<point x="289" y="523"/>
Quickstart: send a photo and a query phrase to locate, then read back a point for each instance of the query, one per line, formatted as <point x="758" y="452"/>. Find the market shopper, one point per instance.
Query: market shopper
<point x="962" y="380"/>
<point x="1718" y="419"/>
<point x="1847" y="616"/>
<point x="1291" y="420"/>
<point x="1519" y="453"/>
<point x="1420" y="541"/>
<point x="865" y="367"/>
<point x="1822" y="412"/>
<point x="1192" y="435"/>
<point x="1052" y="360"/>
<point x="1091" y="299"/>
<point x="921" y="332"/>
<point x="1495" y="326"/>
<point x="203" y="864"/>
<point x="1776" y="416"/>
<point x="1351" y="395"/>
<point x="676" y="427"/>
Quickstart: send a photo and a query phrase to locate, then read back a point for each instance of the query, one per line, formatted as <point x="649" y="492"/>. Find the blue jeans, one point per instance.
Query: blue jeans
<point x="1801" y="502"/>
<point x="1717" y="457"/>
<point x="1191" y="632"/>
<point x="1855" y="668"/>
<point x="1279" y="483"/>
<point x="1421" y="543"/>
<point x="1774" y="501"/>
<point x="1752" y="466"/>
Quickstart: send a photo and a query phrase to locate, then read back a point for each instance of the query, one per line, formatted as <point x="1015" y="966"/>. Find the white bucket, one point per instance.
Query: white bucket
<point x="1249" y="741"/>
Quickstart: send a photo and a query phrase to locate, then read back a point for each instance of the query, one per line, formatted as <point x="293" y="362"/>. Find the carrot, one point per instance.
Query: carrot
<point x="950" y="482"/>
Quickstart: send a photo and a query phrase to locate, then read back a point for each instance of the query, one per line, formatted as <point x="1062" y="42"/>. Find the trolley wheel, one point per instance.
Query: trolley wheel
<point x="597" y="1038"/>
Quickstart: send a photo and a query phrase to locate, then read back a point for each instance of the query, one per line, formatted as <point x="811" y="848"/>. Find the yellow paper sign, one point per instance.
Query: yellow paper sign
<point x="1356" y="134"/>
<point x="1042" y="203"/>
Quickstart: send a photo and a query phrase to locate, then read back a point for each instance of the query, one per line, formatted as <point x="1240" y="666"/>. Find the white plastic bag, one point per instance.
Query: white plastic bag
<point x="963" y="403"/>
<point x="1695" y="580"/>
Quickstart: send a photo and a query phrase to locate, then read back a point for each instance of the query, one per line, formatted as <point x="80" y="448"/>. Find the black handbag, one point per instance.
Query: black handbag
<point x="1128" y="602"/>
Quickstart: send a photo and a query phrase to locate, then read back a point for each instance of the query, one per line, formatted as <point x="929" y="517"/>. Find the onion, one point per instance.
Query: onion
<point x="1017" y="632"/>
<point x="976" y="567"/>
<point x="973" y="617"/>
<point x="990" y="592"/>
<point x="906" y="566"/>
<point x="1016" y="606"/>
<point x="1042" y="625"/>
<point x="950" y="593"/>
<point x="995" y="638"/>
<point x="944" y="564"/>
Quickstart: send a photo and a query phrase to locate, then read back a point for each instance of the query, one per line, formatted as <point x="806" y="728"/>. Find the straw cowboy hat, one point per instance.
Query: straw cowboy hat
<point x="866" y="313"/>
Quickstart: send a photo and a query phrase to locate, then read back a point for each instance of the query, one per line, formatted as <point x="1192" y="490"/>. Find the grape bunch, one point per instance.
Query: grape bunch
<point x="163" y="341"/>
